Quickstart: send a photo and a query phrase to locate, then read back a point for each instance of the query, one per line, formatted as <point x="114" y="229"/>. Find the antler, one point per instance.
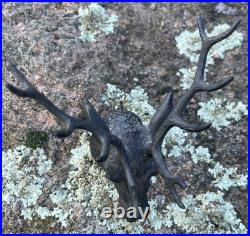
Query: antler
<point x="167" y="117"/>
<point x="69" y="123"/>
<point x="92" y="123"/>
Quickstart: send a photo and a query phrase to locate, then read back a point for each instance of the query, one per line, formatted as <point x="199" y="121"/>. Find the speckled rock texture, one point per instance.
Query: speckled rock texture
<point x="43" y="40"/>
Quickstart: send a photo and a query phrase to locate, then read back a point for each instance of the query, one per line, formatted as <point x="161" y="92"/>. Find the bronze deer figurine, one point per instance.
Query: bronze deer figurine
<point x="129" y="152"/>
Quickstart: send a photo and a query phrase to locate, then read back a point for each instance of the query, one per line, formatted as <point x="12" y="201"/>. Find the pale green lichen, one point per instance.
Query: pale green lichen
<point x="157" y="219"/>
<point x="24" y="175"/>
<point x="200" y="154"/>
<point x="175" y="142"/>
<point x="187" y="76"/>
<point x="135" y="101"/>
<point x="227" y="177"/>
<point x="189" y="44"/>
<point x="206" y="213"/>
<point x="221" y="112"/>
<point x="85" y="179"/>
<point x="59" y="196"/>
<point x="43" y="212"/>
<point x="23" y="178"/>
<point x="95" y="20"/>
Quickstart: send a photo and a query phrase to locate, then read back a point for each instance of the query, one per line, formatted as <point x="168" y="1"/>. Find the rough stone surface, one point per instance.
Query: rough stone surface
<point x="43" y="40"/>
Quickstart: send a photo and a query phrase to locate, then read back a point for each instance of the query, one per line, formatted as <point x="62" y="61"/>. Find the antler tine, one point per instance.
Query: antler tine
<point x="92" y="115"/>
<point x="162" y="113"/>
<point x="27" y="91"/>
<point x="69" y="123"/>
<point x="199" y="84"/>
<point x="188" y="126"/>
<point x="171" y="180"/>
<point x="32" y="92"/>
<point x="212" y="40"/>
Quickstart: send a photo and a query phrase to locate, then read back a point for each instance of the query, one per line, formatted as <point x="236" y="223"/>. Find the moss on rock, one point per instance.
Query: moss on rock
<point x="36" y="139"/>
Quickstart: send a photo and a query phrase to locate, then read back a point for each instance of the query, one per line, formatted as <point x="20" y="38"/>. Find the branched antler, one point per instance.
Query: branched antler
<point x="167" y="117"/>
<point x="69" y="123"/>
<point x="92" y="123"/>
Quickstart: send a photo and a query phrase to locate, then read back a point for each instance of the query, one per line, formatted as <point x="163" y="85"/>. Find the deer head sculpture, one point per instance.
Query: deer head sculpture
<point x="129" y="152"/>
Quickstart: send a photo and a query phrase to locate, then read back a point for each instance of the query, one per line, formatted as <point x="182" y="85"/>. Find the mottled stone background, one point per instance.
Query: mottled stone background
<point x="43" y="39"/>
